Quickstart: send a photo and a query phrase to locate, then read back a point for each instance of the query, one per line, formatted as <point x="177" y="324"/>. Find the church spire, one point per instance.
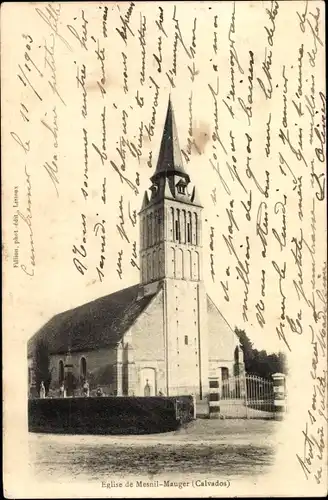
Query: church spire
<point x="169" y="158"/>
<point x="170" y="218"/>
<point x="170" y="181"/>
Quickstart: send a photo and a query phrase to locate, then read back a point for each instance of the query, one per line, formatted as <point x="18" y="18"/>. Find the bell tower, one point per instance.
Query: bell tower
<point x="171" y="252"/>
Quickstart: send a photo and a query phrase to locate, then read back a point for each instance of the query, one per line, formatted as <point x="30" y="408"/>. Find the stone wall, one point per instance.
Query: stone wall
<point x="100" y="366"/>
<point x="146" y="339"/>
<point x="186" y="329"/>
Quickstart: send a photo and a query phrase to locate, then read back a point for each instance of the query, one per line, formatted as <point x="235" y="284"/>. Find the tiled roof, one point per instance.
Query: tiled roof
<point x="94" y="325"/>
<point x="97" y="324"/>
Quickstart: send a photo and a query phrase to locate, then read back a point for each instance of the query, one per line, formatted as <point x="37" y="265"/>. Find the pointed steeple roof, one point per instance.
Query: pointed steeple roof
<point x="145" y="201"/>
<point x="169" y="158"/>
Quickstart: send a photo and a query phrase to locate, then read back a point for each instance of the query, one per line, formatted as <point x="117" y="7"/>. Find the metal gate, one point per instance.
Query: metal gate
<point x="247" y="396"/>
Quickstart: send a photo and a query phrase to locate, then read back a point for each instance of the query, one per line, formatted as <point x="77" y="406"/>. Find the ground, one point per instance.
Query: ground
<point x="226" y="449"/>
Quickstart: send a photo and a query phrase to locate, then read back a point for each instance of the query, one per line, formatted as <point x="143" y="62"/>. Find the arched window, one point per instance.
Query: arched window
<point x="182" y="264"/>
<point x="160" y="263"/>
<point x="144" y="232"/>
<point x="189" y="228"/>
<point x="83" y="368"/>
<point x="155" y="267"/>
<point x="177" y="227"/>
<point x="184" y="226"/>
<point x="173" y="263"/>
<point x="149" y="268"/>
<point x="189" y="266"/>
<point x="61" y="371"/>
<point x="179" y="263"/>
<point x="151" y="234"/>
<point x="147" y="231"/>
<point x="196" y="267"/>
<point x="172" y="224"/>
<point x="155" y="226"/>
<point x="196" y="229"/>
<point x="160" y="227"/>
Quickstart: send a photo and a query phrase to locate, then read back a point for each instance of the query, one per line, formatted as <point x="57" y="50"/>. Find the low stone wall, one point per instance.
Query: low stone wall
<point x="109" y="415"/>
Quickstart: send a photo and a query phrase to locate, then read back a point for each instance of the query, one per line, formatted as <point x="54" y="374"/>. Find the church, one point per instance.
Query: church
<point x="163" y="336"/>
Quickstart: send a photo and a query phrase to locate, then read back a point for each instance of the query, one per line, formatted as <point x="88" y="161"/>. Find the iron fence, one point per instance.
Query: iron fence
<point x="247" y="396"/>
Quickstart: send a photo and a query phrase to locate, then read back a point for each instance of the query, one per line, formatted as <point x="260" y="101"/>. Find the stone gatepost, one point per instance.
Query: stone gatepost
<point x="279" y="394"/>
<point x="214" y="399"/>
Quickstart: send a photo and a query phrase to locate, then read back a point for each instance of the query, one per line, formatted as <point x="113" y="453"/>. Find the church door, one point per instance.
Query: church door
<point x="148" y="382"/>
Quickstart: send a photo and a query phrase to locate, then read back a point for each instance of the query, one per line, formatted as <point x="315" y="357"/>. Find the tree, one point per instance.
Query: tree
<point x="42" y="365"/>
<point x="260" y="362"/>
<point x="247" y="348"/>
